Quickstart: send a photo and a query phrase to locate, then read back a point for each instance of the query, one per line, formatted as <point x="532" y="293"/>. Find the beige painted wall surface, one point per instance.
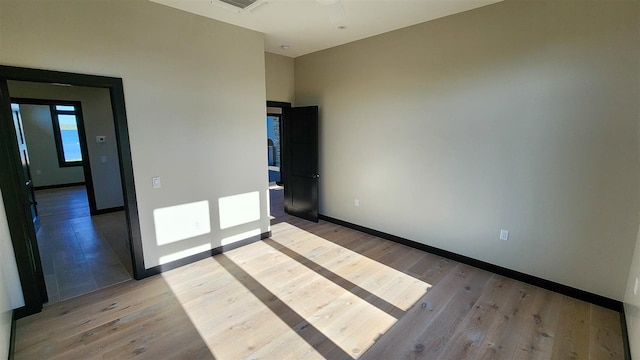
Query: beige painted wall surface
<point x="520" y="115"/>
<point x="632" y="294"/>
<point x="10" y="289"/>
<point x="98" y="120"/>
<point x="195" y="100"/>
<point x="279" y="77"/>
<point x="5" y="333"/>
<point x="41" y="144"/>
<point x="632" y="303"/>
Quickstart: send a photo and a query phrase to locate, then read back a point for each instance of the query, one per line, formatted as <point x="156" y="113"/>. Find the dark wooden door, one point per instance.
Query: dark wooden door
<point x="24" y="158"/>
<point x="18" y="207"/>
<point x="300" y="163"/>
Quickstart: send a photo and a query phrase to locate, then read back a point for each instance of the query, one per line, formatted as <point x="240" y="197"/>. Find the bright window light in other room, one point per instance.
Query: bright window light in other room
<point x="70" y="140"/>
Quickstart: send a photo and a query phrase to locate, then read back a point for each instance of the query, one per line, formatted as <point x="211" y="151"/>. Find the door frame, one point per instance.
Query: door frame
<point x="14" y="195"/>
<point x="282" y="105"/>
<point x="86" y="164"/>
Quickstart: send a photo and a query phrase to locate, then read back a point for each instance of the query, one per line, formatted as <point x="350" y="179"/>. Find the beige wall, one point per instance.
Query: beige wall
<point x="632" y="303"/>
<point x="98" y="120"/>
<point x="10" y="289"/>
<point x="632" y="294"/>
<point x="41" y="144"/>
<point x="279" y="77"/>
<point x="520" y="115"/>
<point x="195" y="99"/>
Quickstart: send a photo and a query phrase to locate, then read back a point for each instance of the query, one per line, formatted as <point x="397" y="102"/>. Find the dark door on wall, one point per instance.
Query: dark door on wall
<point x="24" y="158"/>
<point x="19" y="204"/>
<point x="300" y="163"/>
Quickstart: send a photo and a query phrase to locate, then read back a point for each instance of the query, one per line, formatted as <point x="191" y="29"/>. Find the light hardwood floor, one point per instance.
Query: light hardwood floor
<point x="316" y="291"/>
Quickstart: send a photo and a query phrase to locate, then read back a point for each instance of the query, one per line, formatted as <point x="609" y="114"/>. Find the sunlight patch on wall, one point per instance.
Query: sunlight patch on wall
<point x="179" y="222"/>
<point x="184" y="253"/>
<point x="239" y="237"/>
<point x="239" y="209"/>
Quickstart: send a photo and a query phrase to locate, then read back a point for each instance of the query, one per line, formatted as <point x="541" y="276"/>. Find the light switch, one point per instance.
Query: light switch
<point x="156" y="182"/>
<point x="101" y="139"/>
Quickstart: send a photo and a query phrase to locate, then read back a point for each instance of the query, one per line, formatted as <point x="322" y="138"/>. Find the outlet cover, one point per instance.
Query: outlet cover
<point x="504" y="234"/>
<point x="156" y="182"/>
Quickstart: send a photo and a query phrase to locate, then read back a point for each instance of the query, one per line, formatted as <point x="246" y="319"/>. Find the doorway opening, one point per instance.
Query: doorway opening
<point x="273" y="147"/>
<point x="299" y="158"/>
<point x="82" y="240"/>
<point x="275" y="122"/>
<point x="15" y="194"/>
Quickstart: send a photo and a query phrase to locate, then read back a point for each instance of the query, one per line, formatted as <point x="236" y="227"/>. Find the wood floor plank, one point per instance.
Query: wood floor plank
<point x="439" y="332"/>
<point x="432" y="268"/>
<point x="504" y="336"/>
<point x="405" y="259"/>
<point x="375" y="279"/>
<point x="73" y="317"/>
<point x="472" y="331"/>
<point x="160" y="319"/>
<point x="331" y="309"/>
<point x="360" y="271"/>
<point x="573" y="334"/>
<point x="605" y="335"/>
<point x="280" y="308"/>
<point x="443" y="306"/>
<point x="539" y="331"/>
<point x="280" y="348"/>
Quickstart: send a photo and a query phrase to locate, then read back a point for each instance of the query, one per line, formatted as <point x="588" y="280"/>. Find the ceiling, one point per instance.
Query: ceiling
<point x="298" y="27"/>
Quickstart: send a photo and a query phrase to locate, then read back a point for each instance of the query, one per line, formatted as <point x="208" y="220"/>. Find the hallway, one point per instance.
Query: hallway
<point x="79" y="253"/>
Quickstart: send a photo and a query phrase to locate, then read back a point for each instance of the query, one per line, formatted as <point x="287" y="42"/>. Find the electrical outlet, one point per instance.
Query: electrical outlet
<point x="504" y="234"/>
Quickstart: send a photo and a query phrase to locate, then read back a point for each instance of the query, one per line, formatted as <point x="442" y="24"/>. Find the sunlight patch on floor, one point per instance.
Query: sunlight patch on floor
<point x="349" y="321"/>
<point x="392" y="285"/>
<point x="279" y="297"/>
<point x="211" y="296"/>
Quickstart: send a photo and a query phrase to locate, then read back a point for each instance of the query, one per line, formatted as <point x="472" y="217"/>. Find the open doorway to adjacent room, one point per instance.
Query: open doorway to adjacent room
<point x="73" y="167"/>
<point x="275" y="119"/>
<point x="273" y="148"/>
